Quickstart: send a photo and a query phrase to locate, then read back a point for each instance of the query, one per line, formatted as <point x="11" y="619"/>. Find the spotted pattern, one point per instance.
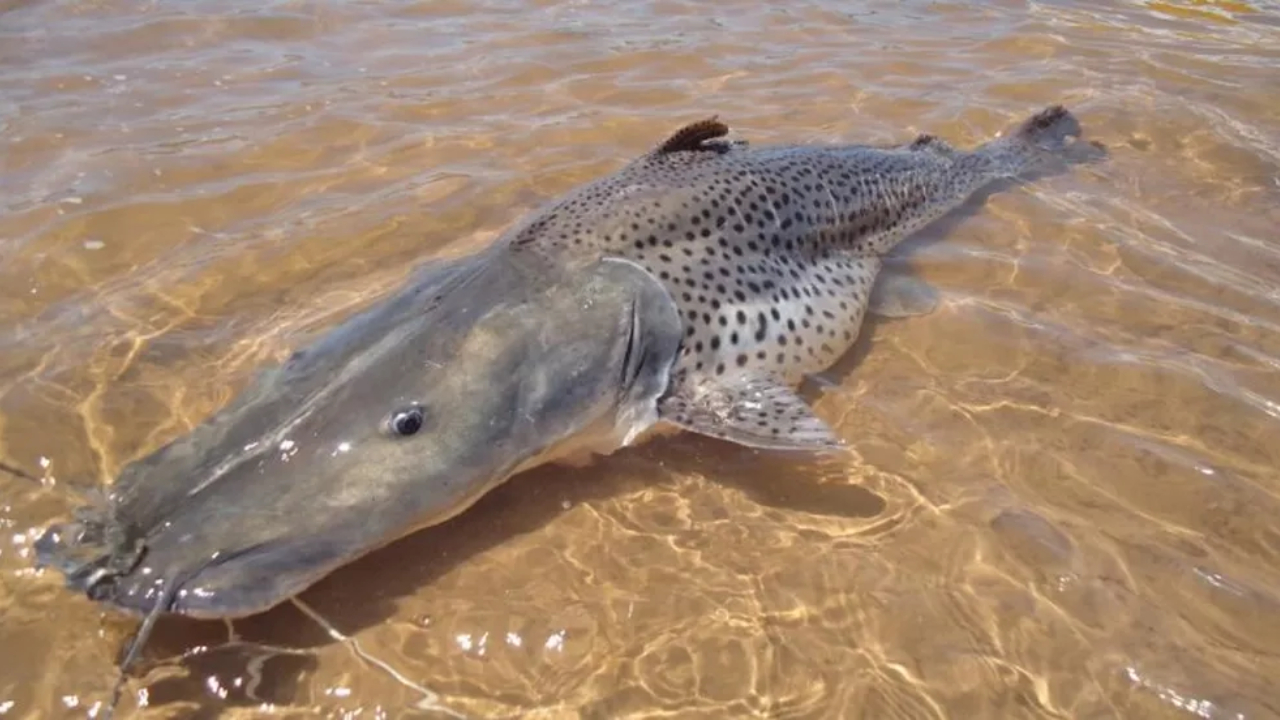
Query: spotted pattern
<point x="769" y="252"/>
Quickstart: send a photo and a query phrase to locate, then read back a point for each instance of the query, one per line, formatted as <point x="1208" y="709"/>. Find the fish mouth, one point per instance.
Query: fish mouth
<point x="92" y="553"/>
<point x="198" y="562"/>
<point x="126" y="572"/>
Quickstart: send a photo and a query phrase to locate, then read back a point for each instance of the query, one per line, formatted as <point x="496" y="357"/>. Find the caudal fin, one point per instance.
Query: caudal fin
<point x="1048" y="129"/>
<point x="1052" y="134"/>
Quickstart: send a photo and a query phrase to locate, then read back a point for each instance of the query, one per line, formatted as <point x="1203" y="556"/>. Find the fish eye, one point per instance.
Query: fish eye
<point x="406" y="422"/>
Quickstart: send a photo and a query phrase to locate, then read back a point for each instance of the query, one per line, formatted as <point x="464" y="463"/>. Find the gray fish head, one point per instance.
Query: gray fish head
<point x="398" y="419"/>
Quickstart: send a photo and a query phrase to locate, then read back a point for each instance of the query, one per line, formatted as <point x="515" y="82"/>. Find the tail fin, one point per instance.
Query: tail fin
<point x="1048" y="129"/>
<point x="1053" y="134"/>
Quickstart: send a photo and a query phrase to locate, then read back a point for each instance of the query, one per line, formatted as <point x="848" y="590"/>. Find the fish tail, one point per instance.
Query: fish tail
<point x="1048" y="129"/>
<point x="1053" y="134"/>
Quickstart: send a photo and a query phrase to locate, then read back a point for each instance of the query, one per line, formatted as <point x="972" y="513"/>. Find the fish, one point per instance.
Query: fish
<point x="691" y="290"/>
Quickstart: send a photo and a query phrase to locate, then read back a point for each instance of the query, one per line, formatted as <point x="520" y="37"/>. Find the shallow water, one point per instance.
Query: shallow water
<point x="1066" y="492"/>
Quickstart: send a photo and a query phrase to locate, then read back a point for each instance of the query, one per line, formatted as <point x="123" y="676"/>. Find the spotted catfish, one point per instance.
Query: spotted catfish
<point x="692" y="289"/>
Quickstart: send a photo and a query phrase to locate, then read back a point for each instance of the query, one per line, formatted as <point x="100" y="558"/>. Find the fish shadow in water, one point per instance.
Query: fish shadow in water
<point x="276" y="647"/>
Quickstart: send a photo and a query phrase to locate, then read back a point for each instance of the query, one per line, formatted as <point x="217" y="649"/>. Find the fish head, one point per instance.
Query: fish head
<point x="398" y="419"/>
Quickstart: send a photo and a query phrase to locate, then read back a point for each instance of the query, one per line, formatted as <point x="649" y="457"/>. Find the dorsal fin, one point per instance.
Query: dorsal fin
<point x="925" y="142"/>
<point x="692" y="137"/>
<point x="922" y="140"/>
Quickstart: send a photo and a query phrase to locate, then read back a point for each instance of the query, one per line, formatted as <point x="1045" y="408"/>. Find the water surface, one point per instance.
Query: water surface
<point x="1065" y="497"/>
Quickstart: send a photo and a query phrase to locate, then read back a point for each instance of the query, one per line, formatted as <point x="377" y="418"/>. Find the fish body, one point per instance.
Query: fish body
<point x="772" y="254"/>
<point x="693" y="288"/>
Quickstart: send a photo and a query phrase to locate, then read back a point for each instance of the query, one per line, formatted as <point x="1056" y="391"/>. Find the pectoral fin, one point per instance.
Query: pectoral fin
<point x="897" y="294"/>
<point x="753" y="410"/>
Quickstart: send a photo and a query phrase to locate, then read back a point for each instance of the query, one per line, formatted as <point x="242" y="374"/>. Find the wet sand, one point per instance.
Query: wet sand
<point x="1065" y="495"/>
